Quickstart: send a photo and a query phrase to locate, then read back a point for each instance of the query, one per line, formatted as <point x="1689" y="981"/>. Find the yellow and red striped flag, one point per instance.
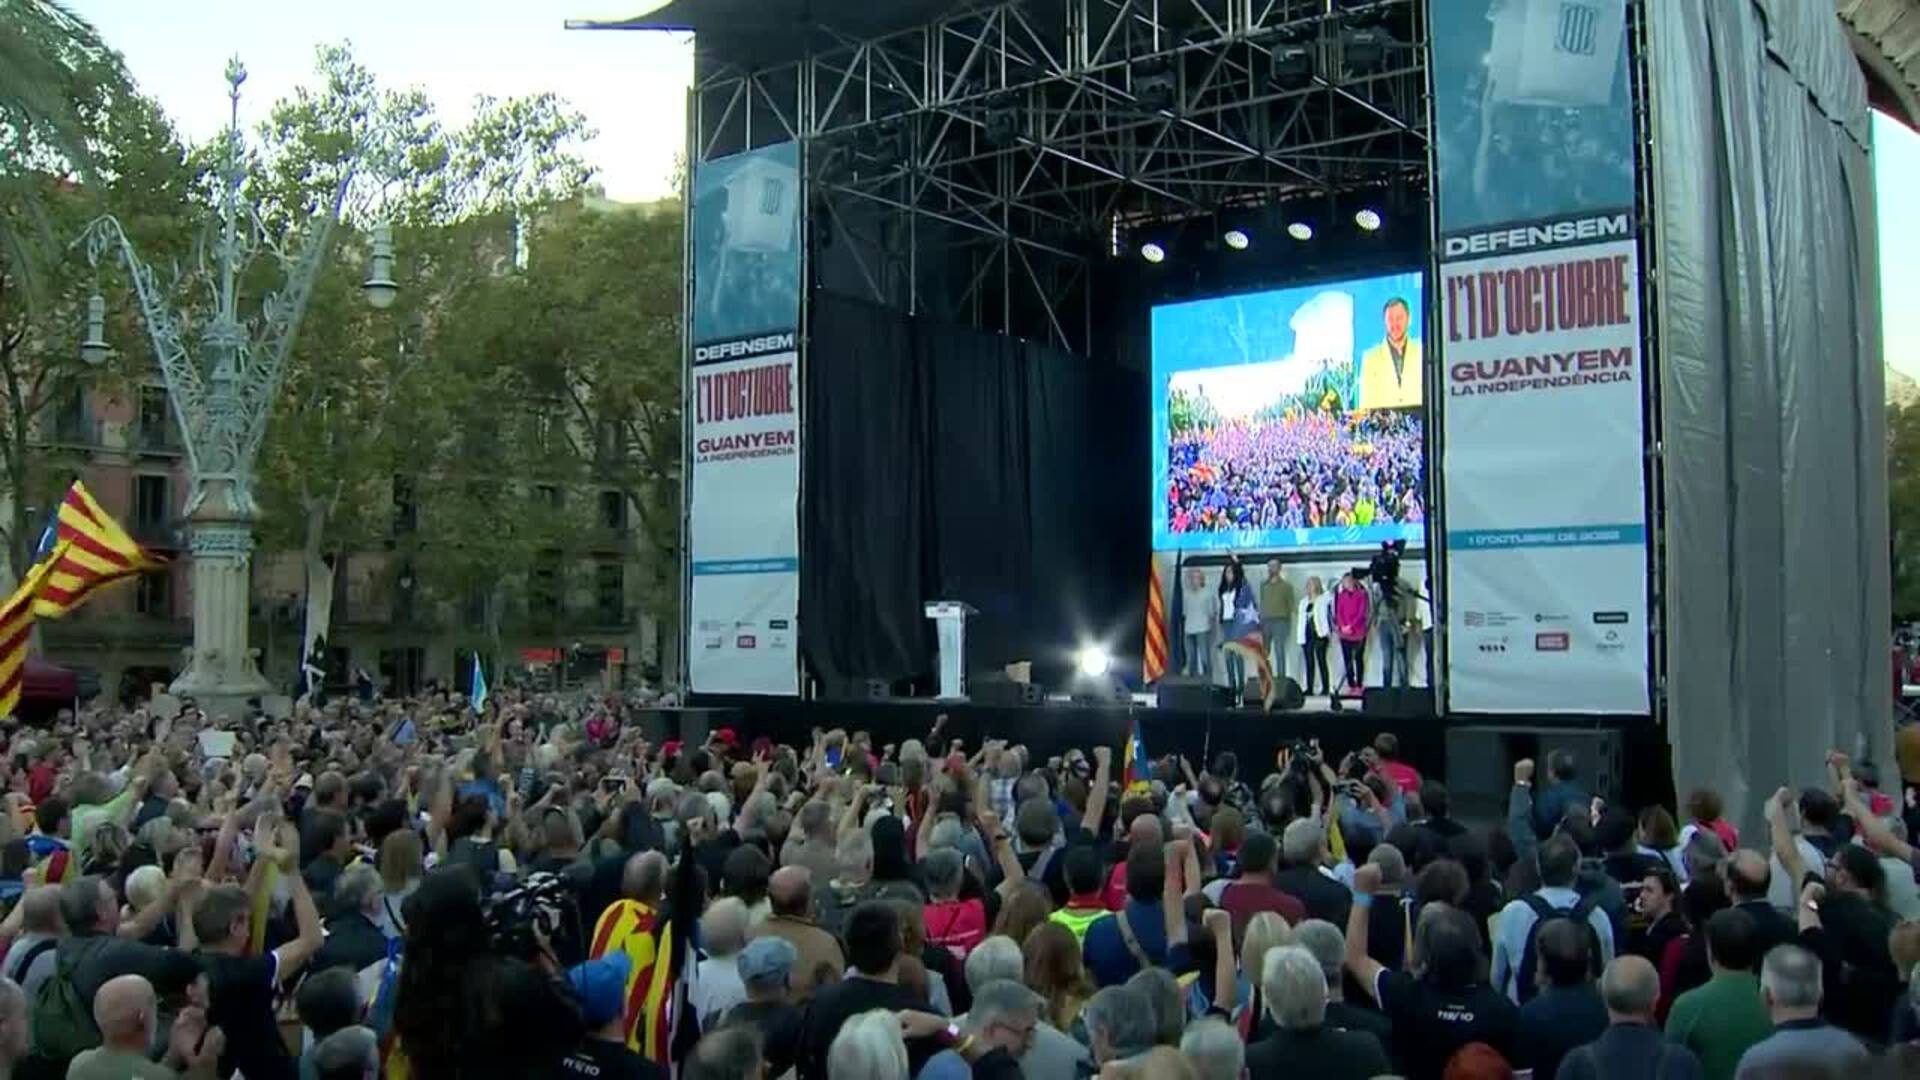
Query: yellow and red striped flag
<point x="16" y="629"/>
<point x="93" y="551"/>
<point x="1154" y="657"/>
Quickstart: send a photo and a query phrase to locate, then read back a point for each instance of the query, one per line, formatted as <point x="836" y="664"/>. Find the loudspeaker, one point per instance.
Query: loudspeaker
<point x="1189" y="694"/>
<point x="879" y="690"/>
<point x="1397" y="703"/>
<point x="1290" y="697"/>
<point x="994" y="688"/>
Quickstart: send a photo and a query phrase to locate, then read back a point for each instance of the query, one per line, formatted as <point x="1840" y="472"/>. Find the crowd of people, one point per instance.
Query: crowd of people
<point x="406" y="889"/>
<point x="1301" y="470"/>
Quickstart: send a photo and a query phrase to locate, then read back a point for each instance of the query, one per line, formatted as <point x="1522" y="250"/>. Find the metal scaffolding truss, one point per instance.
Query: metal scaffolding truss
<point x="977" y="165"/>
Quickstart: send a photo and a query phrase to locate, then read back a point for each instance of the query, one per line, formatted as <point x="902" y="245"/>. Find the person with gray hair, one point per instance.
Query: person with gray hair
<point x="1632" y="1045"/>
<point x="1049" y="1052"/>
<point x="732" y="1053"/>
<point x="1801" y="1044"/>
<point x="1166" y="1005"/>
<point x="354" y="937"/>
<point x="716" y="979"/>
<point x="1120" y="1025"/>
<point x="1329" y="948"/>
<point x="352" y="1053"/>
<point x="868" y="1047"/>
<point x="999" y="1034"/>
<point x="30" y="959"/>
<point x="1303" y="852"/>
<point x="15" y="1026"/>
<point x="1303" y="1044"/>
<point x="1214" y="1049"/>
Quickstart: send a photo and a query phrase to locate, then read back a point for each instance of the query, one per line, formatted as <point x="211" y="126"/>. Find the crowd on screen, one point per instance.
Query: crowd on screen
<point x="409" y="889"/>
<point x="1304" y="470"/>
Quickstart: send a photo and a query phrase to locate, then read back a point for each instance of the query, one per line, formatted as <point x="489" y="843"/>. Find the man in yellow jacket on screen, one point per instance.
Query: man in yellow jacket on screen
<point x="1390" y="372"/>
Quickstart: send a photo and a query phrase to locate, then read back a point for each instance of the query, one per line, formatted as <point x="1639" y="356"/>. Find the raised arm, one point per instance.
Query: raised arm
<point x="1520" y="810"/>
<point x="856" y="811"/>
<point x="1364" y="969"/>
<point x="1097" y="797"/>
<point x="1784" y="848"/>
<point x="1226" y="987"/>
<point x="1173" y="898"/>
<point x="290" y="959"/>
<point x="1012" y="874"/>
<point x="1878" y="836"/>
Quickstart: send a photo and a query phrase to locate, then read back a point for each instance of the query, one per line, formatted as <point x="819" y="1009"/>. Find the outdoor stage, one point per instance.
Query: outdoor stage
<point x="1474" y="760"/>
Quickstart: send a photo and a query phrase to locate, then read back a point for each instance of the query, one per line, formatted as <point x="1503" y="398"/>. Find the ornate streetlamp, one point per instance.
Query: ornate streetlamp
<point x="222" y="395"/>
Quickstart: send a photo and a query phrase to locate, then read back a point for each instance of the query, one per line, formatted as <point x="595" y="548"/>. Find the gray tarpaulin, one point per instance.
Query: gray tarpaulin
<point x="1771" y="407"/>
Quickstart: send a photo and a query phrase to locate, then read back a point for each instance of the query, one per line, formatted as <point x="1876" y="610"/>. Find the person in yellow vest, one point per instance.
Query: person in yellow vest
<point x="1086" y="903"/>
<point x="1390" y="372"/>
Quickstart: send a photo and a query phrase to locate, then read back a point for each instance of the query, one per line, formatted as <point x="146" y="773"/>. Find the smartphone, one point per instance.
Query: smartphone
<point x="613" y="784"/>
<point x="834" y="756"/>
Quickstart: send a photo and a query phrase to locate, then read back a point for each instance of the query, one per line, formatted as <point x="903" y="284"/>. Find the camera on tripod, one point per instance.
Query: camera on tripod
<point x="1384" y="570"/>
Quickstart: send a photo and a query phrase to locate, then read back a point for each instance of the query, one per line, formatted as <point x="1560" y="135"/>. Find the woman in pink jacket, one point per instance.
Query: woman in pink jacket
<point x="1352" y="614"/>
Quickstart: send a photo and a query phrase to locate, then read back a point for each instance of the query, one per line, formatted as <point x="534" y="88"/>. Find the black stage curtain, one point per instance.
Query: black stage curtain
<point x="945" y="462"/>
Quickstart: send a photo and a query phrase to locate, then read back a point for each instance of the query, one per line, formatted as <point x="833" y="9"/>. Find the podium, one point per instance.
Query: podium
<point x="950" y="628"/>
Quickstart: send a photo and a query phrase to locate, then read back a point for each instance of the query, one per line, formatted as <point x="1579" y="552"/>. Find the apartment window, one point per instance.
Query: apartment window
<point x="71" y="421"/>
<point x="406" y="510"/>
<point x="152" y="502"/>
<point x="610" y="441"/>
<point x="613" y="510"/>
<point x="543" y="586"/>
<point x="610" y="593"/>
<point x="154" y="595"/>
<point x="549" y="495"/>
<point x="543" y="432"/>
<point x="403" y="670"/>
<point x="156" y="419"/>
<point x="405" y="589"/>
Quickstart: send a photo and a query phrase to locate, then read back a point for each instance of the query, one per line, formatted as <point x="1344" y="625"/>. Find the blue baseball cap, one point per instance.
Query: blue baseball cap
<point x="767" y="961"/>
<point x="602" y="986"/>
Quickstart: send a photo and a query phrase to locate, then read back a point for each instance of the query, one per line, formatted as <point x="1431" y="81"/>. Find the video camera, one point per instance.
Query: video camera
<point x="1384" y="570"/>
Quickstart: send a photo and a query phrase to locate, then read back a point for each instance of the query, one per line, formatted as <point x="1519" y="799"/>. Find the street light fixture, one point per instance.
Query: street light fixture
<point x="94" y="348"/>
<point x="223" y="391"/>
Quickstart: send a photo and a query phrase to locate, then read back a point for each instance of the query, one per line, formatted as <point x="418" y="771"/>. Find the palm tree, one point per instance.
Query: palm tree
<point x="53" y="68"/>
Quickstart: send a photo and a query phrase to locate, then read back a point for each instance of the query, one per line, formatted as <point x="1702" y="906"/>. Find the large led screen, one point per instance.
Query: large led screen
<point x="1291" y="418"/>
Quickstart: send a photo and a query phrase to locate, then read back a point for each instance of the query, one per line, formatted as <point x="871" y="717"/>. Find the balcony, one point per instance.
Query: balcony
<point x="159" y="534"/>
<point x="159" y="441"/>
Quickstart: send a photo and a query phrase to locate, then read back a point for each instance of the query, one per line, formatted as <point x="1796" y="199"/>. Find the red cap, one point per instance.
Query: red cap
<point x="726" y="735"/>
<point x="670" y="748"/>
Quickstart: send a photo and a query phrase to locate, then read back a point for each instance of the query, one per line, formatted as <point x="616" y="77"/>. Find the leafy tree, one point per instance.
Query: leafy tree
<point x="1903" y="498"/>
<point x="135" y="169"/>
<point x="368" y="392"/>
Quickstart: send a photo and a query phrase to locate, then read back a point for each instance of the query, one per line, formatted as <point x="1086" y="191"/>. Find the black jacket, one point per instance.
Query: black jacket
<point x="1321" y="1053"/>
<point x="353" y="941"/>
<point x="1323" y="897"/>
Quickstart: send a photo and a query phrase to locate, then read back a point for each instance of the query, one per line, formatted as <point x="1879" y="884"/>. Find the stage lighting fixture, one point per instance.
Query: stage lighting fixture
<point x="1153" y="252"/>
<point x="1300" y="230"/>
<point x="1367" y="218"/>
<point x="1155" y="84"/>
<point x="1365" y="47"/>
<point x="1292" y="65"/>
<point x="1237" y="239"/>
<point x="1093" y="661"/>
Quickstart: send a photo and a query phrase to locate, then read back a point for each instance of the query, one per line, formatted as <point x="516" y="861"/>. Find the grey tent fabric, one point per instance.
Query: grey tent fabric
<point x="1771" y="414"/>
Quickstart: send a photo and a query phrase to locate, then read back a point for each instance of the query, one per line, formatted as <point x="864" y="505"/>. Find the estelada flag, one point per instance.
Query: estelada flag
<point x="16" y="629"/>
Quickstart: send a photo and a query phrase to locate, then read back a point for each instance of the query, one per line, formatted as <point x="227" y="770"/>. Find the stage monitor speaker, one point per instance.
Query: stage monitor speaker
<point x="1289" y="698"/>
<point x="994" y="688"/>
<point x="1397" y="703"/>
<point x="1189" y="694"/>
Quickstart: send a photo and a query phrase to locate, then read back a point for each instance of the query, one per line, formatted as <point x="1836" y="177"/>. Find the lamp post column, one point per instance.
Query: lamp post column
<point x="221" y="669"/>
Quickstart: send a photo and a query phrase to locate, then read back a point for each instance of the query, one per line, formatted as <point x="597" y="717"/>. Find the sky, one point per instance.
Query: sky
<point x="1896" y="151"/>
<point x="631" y="86"/>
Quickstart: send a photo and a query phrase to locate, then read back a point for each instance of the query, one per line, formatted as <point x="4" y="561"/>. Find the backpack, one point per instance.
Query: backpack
<point x="63" y="1020"/>
<point x="1526" y="975"/>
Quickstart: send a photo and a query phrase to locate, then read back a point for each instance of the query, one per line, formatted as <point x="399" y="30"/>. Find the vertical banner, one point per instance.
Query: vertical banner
<point x="743" y="394"/>
<point x="1539" y="297"/>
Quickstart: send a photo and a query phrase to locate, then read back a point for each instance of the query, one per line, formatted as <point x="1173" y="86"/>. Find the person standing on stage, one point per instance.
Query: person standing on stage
<point x="1352" y="613"/>
<point x="1199" y="614"/>
<point x="1315" y="616"/>
<point x="1277" y="604"/>
<point x="1239" y="617"/>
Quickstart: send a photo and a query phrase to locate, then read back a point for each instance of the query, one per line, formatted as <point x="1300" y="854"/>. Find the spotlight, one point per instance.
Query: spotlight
<point x="1153" y="252"/>
<point x="1368" y="219"/>
<point x="1237" y="239"/>
<point x="1093" y="661"/>
<point x="1292" y="65"/>
<point x="1300" y="230"/>
<point x="1155" y="84"/>
<point x="1366" y="47"/>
